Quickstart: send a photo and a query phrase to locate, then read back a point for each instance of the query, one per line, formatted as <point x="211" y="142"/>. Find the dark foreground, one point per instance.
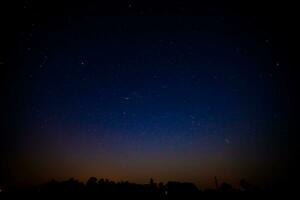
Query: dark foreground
<point x="106" y="189"/>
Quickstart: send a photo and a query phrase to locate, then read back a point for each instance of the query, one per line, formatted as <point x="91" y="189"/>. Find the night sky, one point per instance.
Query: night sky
<point x="133" y="92"/>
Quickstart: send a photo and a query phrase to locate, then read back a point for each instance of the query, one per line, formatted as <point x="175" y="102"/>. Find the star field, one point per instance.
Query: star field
<point x="129" y="98"/>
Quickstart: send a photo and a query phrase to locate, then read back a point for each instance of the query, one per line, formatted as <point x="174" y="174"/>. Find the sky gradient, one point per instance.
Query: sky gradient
<point x="134" y="98"/>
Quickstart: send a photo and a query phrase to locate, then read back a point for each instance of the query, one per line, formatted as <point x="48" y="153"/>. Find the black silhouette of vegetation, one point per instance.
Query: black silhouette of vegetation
<point x="107" y="189"/>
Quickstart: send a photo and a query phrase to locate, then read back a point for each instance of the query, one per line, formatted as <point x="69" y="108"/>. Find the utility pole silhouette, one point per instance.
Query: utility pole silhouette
<point x="216" y="182"/>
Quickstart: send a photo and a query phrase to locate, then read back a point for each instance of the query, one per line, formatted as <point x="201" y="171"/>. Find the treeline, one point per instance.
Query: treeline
<point x="105" y="188"/>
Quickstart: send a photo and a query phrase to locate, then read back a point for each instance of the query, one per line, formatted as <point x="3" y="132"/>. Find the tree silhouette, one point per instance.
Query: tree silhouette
<point x="106" y="189"/>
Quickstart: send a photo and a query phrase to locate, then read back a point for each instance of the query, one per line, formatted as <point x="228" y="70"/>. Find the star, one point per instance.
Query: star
<point x="126" y="98"/>
<point x="142" y="133"/>
<point x="192" y="116"/>
<point x="227" y="141"/>
<point x="270" y="75"/>
<point x="155" y="76"/>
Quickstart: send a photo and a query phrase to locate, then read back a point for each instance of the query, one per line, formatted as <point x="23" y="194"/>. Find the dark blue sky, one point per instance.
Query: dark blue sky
<point x="173" y="98"/>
